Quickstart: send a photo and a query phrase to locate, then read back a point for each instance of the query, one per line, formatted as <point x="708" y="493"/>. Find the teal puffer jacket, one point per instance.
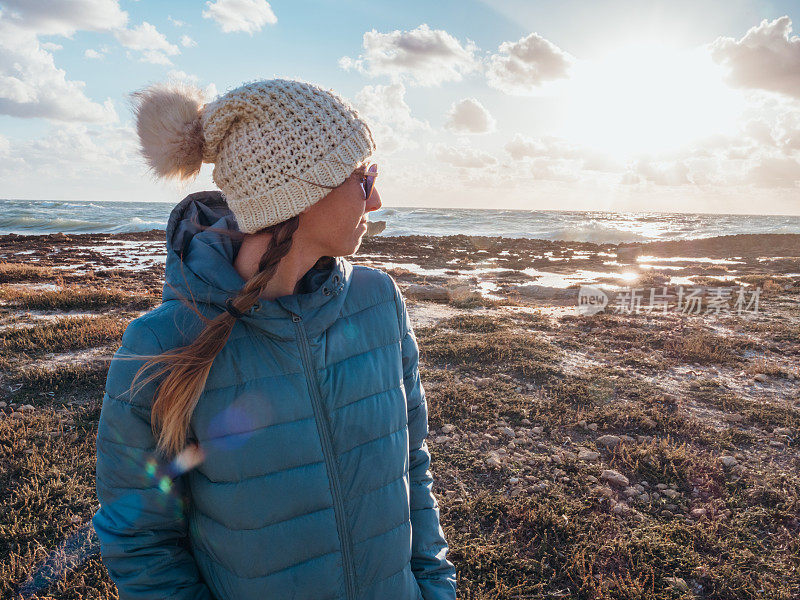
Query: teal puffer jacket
<point x="315" y="483"/>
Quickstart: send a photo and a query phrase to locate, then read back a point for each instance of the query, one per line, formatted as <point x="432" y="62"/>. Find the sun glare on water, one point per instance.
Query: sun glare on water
<point x="648" y="98"/>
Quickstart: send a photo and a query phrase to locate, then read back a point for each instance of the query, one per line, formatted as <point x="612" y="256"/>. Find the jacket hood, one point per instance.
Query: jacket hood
<point x="200" y="266"/>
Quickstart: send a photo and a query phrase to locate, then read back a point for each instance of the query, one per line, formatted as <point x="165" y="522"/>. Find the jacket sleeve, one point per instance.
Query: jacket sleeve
<point x="141" y="522"/>
<point x="435" y="574"/>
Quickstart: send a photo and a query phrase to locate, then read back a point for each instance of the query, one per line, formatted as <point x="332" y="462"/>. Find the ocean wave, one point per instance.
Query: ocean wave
<point x="595" y="233"/>
<point x="35" y="225"/>
<point x="137" y="224"/>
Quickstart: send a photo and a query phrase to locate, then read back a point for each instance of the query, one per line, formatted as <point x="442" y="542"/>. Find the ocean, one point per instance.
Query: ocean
<point x="36" y="217"/>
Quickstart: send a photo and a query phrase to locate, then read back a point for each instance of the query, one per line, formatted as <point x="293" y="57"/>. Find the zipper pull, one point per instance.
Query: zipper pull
<point x="296" y="318"/>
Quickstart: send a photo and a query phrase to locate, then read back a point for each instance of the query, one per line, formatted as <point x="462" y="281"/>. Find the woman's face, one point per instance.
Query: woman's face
<point x="336" y="224"/>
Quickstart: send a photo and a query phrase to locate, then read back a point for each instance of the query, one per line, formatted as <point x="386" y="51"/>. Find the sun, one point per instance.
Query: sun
<point x="647" y="98"/>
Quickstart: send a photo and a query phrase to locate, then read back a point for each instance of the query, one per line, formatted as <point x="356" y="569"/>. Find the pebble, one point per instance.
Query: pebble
<point x="760" y="377"/>
<point x="677" y="583"/>
<point x="440" y="439"/>
<point x="661" y="486"/>
<point x="513" y="479"/>
<point x="448" y="428"/>
<point x="631" y="491"/>
<point x="698" y="513"/>
<point x="728" y="461"/>
<point x="776" y="444"/>
<point x="493" y="460"/>
<point x="615" y="477"/>
<point x="620" y="508"/>
<point x="592" y="426"/>
<point x="584" y="454"/>
<point x="782" y="431"/>
<point x="645" y="497"/>
<point x="509" y="432"/>
<point x="671" y="494"/>
<point x="608" y="441"/>
<point x="3" y="404"/>
<point x="537" y="430"/>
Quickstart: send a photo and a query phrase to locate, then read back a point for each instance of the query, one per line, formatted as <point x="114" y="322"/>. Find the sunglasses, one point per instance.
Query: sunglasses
<point x="367" y="179"/>
<point x="368" y="183"/>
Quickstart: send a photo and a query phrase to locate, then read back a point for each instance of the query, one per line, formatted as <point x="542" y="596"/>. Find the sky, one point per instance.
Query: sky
<point x="610" y="105"/>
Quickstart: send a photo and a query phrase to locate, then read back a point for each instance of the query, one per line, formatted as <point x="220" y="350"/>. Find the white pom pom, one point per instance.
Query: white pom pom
<point x="170" y="129"/>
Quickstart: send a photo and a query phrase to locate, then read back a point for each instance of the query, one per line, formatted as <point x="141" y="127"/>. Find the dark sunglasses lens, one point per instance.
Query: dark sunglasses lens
<point x="370" y="183"/>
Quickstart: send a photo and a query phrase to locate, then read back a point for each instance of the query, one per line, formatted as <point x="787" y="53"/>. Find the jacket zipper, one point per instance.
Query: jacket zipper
<point x="323" y="426"/>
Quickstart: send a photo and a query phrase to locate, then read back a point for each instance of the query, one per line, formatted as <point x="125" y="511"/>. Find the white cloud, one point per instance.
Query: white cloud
<point x="775" y="172"/>
<point x="389" y="117"/>
<point x="73" y="151"/>
<point x="469" y="116"/>
<point x="240" y="15"/>
<point x="5" y="146"/>
<point x="554" y="170"/>
<point x="463" y="156"/>
<point x="92" y="54"/>
<point x="522" y="66"/>
<point x="32" y="86"/>
<point x="176" y="22"/>
<point x="765" y="58"/>
<point x="52" y="46"/>
<point x="65" y="17"/>
<point x="209" y="91"/>
<point x="422" y="56"/>
<point x="187" y="42"/>
<point x="147" y="40"/>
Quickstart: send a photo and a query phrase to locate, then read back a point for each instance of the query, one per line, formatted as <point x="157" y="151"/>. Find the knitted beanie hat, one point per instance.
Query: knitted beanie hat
<point x="268" y="140"/>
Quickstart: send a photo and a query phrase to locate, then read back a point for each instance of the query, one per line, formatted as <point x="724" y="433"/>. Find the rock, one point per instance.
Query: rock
<point x="661" y="486"/>
<point x="628" y="254"/>
<point x="448" y="428"/>
<point x="3" y="404"/>
<point x="16" y="415"/>
<point x="728" y="461"/>
<point x="440" y="439"/>
<point x="620" y="508"/>
<point x="375" y="227"/>
<point x="436" y="293"/>
<point x="630" y="492"/>
<point x="649" y="423"/>
<point x="671" y="494"/>
<point x="592" y="426"/>
<point x="582" y="423"/>
<point x="27" y="407"/>
<point x="698" y="513"/>
<point x="677" y="583"/>
<point x="608" y="441"/>
<point x="493" y="460"/>
<point x="537" y="430"/>
<point x="567" y="455"/>
<point x="543" y="292"/>
<point x="782" y="431"/>
<point x="513" y="480"/>
<point x="776" y="444"/>
<point x="760" y="377"/>
<point x="509" y="432"/>
<point x="615" y="477"/>
<point x="644" y="497"/>
<point x="588" y="455"/>
<point x="556" y="458"/>
<point x="603" y="490"/>
<point x="483" y="382"/>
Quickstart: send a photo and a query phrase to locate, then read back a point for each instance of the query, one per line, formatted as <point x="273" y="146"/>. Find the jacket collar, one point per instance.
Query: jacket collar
<point x="200" y="266"/>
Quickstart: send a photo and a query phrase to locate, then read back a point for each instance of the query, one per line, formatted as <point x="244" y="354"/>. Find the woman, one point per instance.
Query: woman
<point x="278" y="448"/>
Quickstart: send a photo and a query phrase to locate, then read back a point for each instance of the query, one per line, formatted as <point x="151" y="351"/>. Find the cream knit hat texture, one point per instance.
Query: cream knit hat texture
<point x="267" y="139"/>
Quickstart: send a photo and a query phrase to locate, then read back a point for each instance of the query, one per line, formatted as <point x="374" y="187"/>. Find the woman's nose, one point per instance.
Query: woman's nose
<point x="374" y="202"/>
